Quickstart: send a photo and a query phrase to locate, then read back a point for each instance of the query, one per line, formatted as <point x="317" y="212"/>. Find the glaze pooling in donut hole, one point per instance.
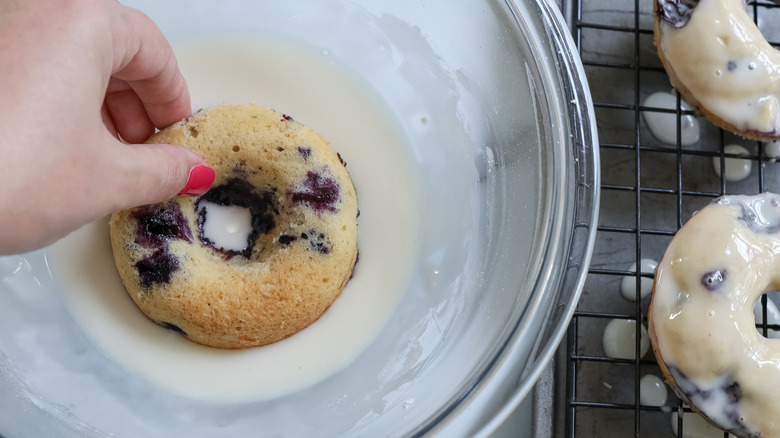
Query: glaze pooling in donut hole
<point x="718" y="59"/>
<point x="263" y="209"/>
<point x="298" y="249"/>
<point x="701" y="322"/>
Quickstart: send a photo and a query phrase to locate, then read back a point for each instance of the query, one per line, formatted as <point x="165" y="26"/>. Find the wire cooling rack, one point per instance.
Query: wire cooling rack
<point x="649" y="190"/>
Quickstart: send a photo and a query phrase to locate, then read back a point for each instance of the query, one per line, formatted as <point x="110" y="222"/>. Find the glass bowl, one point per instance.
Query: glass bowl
<point x="495" y="122"/>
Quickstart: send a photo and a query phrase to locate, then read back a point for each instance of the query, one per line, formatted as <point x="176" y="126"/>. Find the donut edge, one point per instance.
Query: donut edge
<point x="670" y="380"/>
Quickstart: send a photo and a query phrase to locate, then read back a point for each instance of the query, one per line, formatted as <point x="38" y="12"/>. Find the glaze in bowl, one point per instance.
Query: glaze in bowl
<point x="498" y="126"/>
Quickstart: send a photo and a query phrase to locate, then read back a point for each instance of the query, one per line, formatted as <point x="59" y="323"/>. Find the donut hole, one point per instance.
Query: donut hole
<point x="227" y="227"/>
<point x="236" y="219"/>
<point x="770" y="309"/>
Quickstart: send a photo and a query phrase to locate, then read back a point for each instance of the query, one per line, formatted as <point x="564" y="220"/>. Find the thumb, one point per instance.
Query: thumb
<point x="151" y="173"/>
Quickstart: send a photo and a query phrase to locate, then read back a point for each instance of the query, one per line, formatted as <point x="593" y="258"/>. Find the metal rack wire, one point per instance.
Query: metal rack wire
<point x="649" y="190"/>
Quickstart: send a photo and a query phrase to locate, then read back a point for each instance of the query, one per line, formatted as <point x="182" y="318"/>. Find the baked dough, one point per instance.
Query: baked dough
<point x="300" y="247"/>
<point x="701" y="322"/>
<point x="718" y="60"/>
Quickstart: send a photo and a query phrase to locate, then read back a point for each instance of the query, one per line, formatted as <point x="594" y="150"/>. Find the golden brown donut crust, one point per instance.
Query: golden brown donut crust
<point x="294" y="271"/>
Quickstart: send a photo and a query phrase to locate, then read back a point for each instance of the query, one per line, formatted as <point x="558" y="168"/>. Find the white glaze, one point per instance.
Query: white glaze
<point x="619" y="339"/>
<point x="710" y="335"/>
<point x="736" y="169"/>
<point x="664" y="125"/>
<point x="652" y="391"/>
<point x="628" y="283"/>
<point x="239" y="71"/>
<point x="772" y="149"/>
<point x="226" y="226"/>
<point x="744" y="93"/>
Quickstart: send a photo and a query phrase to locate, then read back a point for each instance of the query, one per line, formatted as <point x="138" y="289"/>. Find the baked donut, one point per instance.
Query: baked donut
<point x="718" y="60"/>
<point x="701" y="323"/>
<point x="288" y="197"/>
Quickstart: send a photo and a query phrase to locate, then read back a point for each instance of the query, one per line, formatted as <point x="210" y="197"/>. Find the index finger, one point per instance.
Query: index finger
<point x="144" y="59"/>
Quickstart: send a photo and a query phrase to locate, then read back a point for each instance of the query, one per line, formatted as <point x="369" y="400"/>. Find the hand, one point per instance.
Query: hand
<point x="75" y="77"/>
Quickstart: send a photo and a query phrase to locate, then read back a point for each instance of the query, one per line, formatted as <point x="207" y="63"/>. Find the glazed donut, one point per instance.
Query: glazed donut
<point x="701" y="323"/>
<point x="721" y="64"/>
<point x="290" y="205"/>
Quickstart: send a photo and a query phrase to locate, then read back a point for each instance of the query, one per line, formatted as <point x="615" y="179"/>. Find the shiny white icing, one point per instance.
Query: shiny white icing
<point x="652" y="391"/>
<point x="707" y="336"/>
<point x="664" y="125"/>
<point x="619" y="339"/>
<point x="772" y="149"/>
<point x="226" y="226"/>
<point x="628" y="283"/>
<point x="721" y="57"/>
<point x="736" y="169"/>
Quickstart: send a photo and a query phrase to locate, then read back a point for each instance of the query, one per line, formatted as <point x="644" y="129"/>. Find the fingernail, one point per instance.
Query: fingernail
<point x="200" y="181"/>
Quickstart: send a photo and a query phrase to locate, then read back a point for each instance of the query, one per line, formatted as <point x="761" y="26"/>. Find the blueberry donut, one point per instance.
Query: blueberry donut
<point x="262" y="254"/>
<point x="701" y="322"/>
<point x="718" y="60"/>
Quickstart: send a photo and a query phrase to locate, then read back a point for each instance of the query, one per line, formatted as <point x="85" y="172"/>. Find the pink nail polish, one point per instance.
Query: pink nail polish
<point x="200" y="181"/>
